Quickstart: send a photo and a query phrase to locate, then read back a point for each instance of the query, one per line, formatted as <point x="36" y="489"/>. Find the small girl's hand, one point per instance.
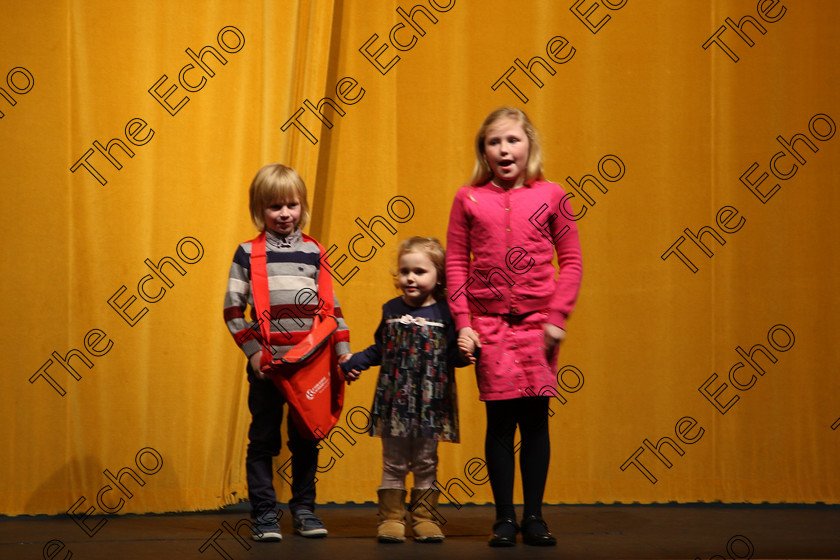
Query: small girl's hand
<point x="352" y="375"/>
<point x="468" y="341"/>
<point x="554" y="336"/>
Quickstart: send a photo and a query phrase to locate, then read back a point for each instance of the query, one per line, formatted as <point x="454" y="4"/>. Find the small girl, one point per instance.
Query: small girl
<point x="504" y="229"/>
<point x="279" y="209"/>
<point x="415" y="404"/>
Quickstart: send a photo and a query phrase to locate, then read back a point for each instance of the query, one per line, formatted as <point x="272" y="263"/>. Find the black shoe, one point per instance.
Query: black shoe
<point x="504" y="533"/>
<point x="535" y="532"/>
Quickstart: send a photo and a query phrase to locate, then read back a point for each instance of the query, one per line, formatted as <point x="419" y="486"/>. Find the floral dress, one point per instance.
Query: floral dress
<point x="415" y="393"/>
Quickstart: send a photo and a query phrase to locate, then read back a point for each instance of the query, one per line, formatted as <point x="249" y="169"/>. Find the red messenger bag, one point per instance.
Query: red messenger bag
<point x="307" y="374"/>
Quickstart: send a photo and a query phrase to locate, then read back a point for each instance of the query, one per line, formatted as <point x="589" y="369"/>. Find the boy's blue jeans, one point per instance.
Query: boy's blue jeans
<point x="264" y="442"/>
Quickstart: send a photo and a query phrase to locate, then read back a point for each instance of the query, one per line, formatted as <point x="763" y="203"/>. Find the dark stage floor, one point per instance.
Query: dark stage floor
<point x="628" y="531"/>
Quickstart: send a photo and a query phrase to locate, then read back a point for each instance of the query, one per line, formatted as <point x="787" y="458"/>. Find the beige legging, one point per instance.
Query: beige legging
<point x="401" y="455"/>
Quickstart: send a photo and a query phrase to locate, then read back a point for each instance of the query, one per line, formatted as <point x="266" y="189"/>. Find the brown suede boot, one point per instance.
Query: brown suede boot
<point x="391" y="528"/>
<point x="423" y="512"/>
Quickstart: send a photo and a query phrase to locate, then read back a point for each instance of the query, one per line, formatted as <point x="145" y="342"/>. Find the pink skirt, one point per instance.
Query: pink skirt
<point x="513" y="361"/>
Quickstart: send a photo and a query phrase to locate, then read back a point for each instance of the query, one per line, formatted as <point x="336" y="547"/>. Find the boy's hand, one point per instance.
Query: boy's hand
<point x="255" y="365"/>
<point x="468" y="341"/>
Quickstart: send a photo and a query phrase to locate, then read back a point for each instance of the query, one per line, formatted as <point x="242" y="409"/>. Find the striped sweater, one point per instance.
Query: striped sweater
<point x="293" y="265"/>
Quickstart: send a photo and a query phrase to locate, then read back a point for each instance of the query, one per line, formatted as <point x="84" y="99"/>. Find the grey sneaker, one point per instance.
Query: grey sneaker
<point x="267" y="528"/>
<point x="307" y="524"/>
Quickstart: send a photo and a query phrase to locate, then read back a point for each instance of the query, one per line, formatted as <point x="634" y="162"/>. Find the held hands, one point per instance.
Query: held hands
<point x="349" y="376"/>
<point x="554" y="336"/>
<point x="468" y="341"/>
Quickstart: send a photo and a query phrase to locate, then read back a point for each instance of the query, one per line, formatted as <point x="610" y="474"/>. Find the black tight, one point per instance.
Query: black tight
<point x="531" y="415"/>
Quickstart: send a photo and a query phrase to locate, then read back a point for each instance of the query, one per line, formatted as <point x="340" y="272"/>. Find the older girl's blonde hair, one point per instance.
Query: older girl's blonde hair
<point x="272" y="184"/>
<point x="482" y="172"/>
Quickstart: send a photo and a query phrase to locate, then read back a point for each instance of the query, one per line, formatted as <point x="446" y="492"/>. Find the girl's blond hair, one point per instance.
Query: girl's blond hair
<point x="482" y="172"/>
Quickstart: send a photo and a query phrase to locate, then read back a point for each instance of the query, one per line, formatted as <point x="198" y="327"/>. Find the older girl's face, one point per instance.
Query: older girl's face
<point x="506" y="148"/>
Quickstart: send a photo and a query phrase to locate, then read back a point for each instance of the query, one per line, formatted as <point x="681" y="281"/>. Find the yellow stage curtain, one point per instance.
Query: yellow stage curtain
<point x="697" y="141"/>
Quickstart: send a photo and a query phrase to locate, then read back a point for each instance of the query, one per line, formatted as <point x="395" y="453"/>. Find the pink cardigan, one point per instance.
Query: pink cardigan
<point x="512" y="236"/>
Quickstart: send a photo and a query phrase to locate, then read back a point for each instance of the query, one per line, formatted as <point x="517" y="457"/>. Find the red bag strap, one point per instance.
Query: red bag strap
<point x="259" y="278"/>
<point x="259" y="281"/>
<point x="325" y="285"/>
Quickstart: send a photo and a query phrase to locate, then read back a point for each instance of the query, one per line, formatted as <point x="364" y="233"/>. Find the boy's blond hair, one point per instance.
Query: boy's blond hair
<point x="272" y="184"/>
